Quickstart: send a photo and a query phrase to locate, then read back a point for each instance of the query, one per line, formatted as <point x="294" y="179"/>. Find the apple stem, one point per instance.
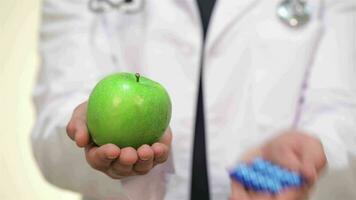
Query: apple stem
<point x="137" y="77"/>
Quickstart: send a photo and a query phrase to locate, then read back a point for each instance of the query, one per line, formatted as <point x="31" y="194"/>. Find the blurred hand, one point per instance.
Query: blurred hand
<point x="110" y="159"/>
<point x="294" y="151"/>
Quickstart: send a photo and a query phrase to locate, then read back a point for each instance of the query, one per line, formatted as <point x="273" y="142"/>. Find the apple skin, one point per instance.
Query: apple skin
<point x="128" y="111"/>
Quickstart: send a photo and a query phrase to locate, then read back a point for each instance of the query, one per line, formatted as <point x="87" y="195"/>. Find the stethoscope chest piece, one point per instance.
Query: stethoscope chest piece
<point x="294" y="13"/>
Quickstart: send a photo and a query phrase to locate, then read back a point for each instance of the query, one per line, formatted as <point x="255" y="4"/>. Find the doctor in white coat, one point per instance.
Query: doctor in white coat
<point x="286" y="91"/>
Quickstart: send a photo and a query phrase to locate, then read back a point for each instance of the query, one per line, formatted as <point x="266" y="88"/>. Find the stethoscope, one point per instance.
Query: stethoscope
<point x="127" y="6"/>
<point x="293" y="13"/>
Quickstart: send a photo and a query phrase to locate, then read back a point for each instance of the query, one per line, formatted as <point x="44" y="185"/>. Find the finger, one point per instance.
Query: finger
<point x="313" y="158"/>
<point x="309" y="169"/>
<point x="80" y="111"/>
<point x="100" y="158"/>
<point x="73" y="126"/>
<point x="292" y="194"/>
<point x="252" y="154"/>
<point x="284" y="157"/>
<point x="309" y="172"/>
<point x="238" y="192"/>
<point x="145" y="159"/>
<point x="260" y="195"/>
<point x="81" y="137"/>
<point x="166" y="138"/>
<point x="161" y="152"/>
<point x="70" y="129"/>
<point x="313" y="153"/>
<point x="128" y="156"/>
<point x="77" y="129"/>
<point x="123" y="166"/>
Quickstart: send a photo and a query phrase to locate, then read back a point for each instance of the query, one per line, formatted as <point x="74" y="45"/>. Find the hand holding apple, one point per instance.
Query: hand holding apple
<point x="293" y="150"/>
<point x="112" y="160"/>
<point x="127" y="116"/>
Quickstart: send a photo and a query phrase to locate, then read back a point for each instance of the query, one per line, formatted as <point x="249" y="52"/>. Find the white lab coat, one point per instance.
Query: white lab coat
<point x="260" y="77"/>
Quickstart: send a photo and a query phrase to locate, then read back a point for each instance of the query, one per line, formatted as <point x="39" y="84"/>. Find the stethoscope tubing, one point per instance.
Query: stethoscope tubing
<point x="293" y="13"/>
<point x="102" y="6"/>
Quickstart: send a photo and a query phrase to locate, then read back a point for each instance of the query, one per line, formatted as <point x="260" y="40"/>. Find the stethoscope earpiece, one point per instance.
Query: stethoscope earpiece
<point x="294" y="13"/>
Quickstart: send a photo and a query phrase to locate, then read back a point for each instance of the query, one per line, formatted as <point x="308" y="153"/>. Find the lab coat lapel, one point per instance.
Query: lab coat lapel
<point x="226" y="12"/>
<point x="191" y="6"/>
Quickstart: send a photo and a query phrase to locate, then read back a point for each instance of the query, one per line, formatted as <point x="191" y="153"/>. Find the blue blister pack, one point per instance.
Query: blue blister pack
<point x="264" y="176"/>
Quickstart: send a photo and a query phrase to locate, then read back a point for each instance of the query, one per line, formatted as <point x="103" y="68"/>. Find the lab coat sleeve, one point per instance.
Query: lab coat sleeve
<point x="329" y="109"/>
<point x="69" y="69"/>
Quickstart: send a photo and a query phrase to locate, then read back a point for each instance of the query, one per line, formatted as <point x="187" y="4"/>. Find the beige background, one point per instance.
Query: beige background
<point x="20" y="178"/>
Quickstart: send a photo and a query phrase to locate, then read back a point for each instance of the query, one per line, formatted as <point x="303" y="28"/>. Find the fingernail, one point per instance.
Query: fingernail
<point x="160" y="153"/>
<point x="111" y="157"/>
<point x="144" y="159"/>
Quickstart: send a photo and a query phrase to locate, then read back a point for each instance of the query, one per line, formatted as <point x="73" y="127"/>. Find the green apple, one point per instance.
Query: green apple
<point x="128" y="110"/>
